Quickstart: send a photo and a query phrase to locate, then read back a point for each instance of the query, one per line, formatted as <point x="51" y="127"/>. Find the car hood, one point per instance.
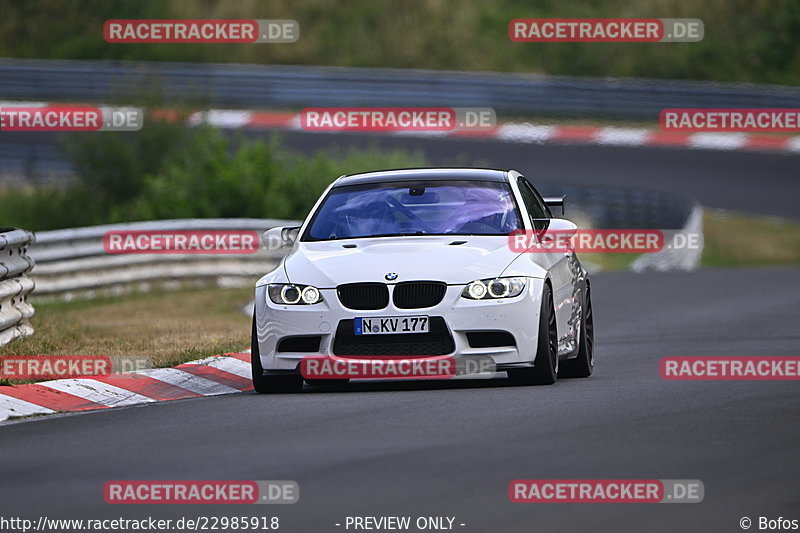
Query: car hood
<point x="327" y="264"/>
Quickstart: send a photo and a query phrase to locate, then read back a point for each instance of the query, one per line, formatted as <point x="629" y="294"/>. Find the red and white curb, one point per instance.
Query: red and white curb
<point x="529" y="133"/>
<point x="526" y="132"/>
<point x="212" y="376"/>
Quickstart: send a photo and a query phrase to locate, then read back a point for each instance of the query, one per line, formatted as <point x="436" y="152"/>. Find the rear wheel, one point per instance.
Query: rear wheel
<point x="270" y="384"/>
<point x="545" y="369"/>
<point x="583" y="364"/>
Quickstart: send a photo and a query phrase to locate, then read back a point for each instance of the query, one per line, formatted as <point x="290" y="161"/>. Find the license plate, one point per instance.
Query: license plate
<point x="391" y="325"/>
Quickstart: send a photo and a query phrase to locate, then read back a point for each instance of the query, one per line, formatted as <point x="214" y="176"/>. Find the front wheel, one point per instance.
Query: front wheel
<point x="582" y="365"/>
<point x="270" y="384"/>
<point x="545" y="369"/>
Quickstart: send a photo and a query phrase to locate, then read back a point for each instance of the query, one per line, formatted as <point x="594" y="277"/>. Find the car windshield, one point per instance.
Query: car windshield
<point x="415" y="208"/>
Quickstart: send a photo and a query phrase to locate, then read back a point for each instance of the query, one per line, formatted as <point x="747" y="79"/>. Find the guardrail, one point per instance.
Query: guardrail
<point x="606" y="207"/>
<point x="74" y="260"/>
<point x="253" y="86"/>
<point x="15" y="311"/>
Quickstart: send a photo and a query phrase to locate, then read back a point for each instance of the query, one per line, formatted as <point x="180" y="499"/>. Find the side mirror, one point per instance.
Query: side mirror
<point x="280" y="237"/>
<point x="554" y="231"/>
<point x="561" y="225"/>
<point x="555" y="202"/>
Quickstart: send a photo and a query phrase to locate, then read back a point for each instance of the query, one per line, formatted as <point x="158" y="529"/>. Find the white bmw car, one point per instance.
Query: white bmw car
<point x="418" y="263"/>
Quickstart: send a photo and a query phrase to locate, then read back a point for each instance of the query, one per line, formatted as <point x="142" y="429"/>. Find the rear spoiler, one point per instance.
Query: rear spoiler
<point x="554" y="201"/>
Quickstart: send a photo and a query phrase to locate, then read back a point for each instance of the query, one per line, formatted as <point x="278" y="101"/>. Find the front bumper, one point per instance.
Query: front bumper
<point x="518" y="316"/>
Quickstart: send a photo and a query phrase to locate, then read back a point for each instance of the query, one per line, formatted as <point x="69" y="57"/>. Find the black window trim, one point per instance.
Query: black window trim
<point x="538" y="196"/>
<point x="306" y="236"/>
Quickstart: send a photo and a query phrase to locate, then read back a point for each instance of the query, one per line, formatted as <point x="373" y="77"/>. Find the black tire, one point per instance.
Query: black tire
<point x="545" y="369"/>
<point x="270" y="384"/>
<point x="582" y="365"/>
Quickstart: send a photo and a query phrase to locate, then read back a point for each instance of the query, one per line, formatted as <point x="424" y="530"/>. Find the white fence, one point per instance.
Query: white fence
<point x="15" y="285"/>
<point x="677" y="255"/>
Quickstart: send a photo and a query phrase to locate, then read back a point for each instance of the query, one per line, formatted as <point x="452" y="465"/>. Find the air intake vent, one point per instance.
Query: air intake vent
<point x="300" y="344"/>
<point x="418" y="294"/>
<point x="364" y="296"/>
<point x="490" y="339"/>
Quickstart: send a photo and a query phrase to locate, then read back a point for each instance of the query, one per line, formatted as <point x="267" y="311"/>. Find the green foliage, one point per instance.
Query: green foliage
<point x="113" y="164"/>
<point x="745" y="40"/>
<point x="258" y="179"/>
<point x="170" y="171"/>
<point x="48" y="208"/>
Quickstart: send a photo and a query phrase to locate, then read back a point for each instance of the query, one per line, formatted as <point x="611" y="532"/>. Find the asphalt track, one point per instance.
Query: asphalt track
<point x="451" y="448"/>
<point x="752" y="182"/>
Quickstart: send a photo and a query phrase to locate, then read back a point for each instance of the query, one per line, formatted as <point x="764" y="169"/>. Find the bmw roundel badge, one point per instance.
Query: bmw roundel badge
<point x="391" y="276"/>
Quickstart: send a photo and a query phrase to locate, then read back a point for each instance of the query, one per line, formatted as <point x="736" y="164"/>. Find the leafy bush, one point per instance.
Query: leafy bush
<point x="169" y="171"/>
<point x="745" y="40"/>
<point x="113" y="164"/>
<point x="258" y="179"/>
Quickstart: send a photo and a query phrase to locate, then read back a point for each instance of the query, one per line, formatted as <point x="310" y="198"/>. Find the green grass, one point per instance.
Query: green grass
<point x="171" y="171"/>
<point x="165" y="327"/>
<point x="730" y="240"/>
<point x="733" y="239"/>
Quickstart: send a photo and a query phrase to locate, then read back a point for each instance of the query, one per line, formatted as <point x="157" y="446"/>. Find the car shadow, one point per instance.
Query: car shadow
<point x="389" y="385"/>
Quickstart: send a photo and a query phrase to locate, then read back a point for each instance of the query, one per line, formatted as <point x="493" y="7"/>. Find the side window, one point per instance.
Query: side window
<point x="535" y="207"/>
<point x="547" y="213"/>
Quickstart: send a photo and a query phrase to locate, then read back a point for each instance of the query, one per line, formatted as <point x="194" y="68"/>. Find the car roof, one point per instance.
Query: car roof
<point x="422" y="174"/>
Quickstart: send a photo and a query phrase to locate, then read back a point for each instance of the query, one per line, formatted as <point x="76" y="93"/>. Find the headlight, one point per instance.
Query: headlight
<point x="291" y="294"/>
<point x="493" y="288"/>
